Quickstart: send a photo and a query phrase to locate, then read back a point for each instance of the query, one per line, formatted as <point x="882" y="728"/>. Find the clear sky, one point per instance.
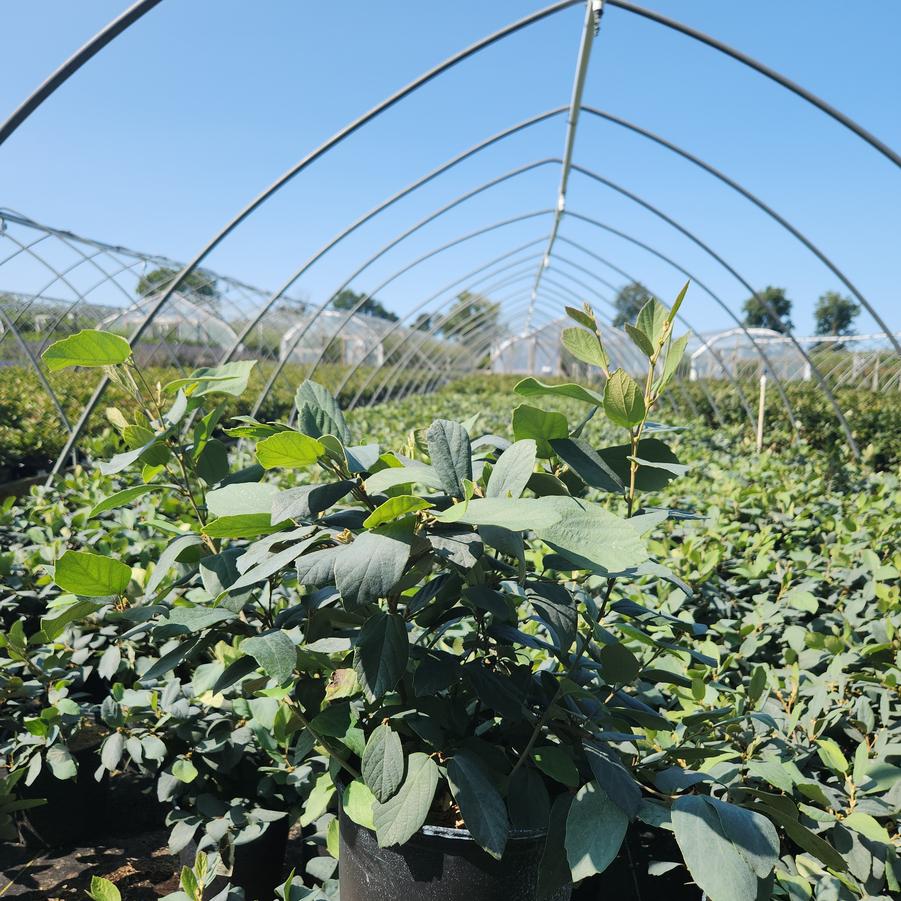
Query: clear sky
<point x="170" y="130"/>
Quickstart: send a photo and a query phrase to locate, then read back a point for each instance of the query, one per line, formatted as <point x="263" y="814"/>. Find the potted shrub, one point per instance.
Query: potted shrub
<point x="469" y="631"/>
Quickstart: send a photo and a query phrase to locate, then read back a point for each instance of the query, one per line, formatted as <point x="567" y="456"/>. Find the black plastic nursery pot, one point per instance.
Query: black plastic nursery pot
<point x="439" y="864"/>
<point x="258" y="865"/>
<point x="76" y="809"/>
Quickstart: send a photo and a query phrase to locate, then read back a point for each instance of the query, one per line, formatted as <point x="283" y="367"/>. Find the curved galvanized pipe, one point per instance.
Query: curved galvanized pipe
<point x="384" y="205"/>
<point x="460" y="198"/>
<point x="73" y="64"/>
<point x="398" y="324"/>
<point x="431" y="253"/>
<point x="849" y="435"/>
<point x="765" y="70"/>
<point x="753" y="198"/>
<point x="299" y="167"/>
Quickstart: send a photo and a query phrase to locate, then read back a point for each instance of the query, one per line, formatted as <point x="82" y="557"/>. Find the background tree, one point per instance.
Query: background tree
<point x="423" y="322"/>
<point x="835" y="314"/>
<point x="628" y="301"/>
<point x="770" y="309"/>
<point x="347" y="300"/>
<point x="200" y="282"/>
<point x="480" y="311"/>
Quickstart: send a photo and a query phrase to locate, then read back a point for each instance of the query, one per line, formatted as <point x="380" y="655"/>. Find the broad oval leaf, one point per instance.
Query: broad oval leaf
<point x="319" y="412"/>
<point x="394" y="508"/>
<point x="584" y="346"/>
<point x="450" y="452"/>
<point x="713" y="860"/>
<point x="400" y="818"/>
<point x="592" y="537"/>
<point x="370" y="566"/>
<point x="91" y="575"/>
<point x="241" y="499"/>
<point x="483" y="808"/>
<point x="358" y="802"/>
<point x="275" y="652"/>
<point x="516" y="514"/>
<point x="380" y="658"/>
<point x="531" y="387"/>
<point x="123" y="497"/>
<point x="623" y="402"/>
<point x="542" y="425"/>
<point x="513" y="470"/>
<point x="89" y="347"/>
<point x="289" y="450"/>
<point x="595" y="829"/>
<point x="383" y="762"/>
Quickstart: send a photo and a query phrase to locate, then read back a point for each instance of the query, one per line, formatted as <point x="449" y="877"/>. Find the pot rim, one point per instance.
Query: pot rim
<point x="516" y="833"/>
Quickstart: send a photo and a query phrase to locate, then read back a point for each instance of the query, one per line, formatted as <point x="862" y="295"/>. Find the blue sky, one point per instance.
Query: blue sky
<point x="167" y="133"/>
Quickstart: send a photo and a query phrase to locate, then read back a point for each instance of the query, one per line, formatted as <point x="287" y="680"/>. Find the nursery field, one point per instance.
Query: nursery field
<point x="695" y="683"/>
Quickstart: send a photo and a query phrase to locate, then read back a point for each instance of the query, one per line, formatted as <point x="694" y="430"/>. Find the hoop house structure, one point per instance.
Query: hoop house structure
<point x="512" y="268"/>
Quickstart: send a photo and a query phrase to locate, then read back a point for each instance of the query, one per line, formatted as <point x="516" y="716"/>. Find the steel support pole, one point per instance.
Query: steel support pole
<point x="593" y="11"/>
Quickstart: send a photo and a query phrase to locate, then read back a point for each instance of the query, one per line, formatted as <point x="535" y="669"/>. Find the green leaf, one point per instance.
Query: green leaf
<point x="380" y="658"/>
<point x="229" y="378"/>
<point x="395" y="508"/>
<point x="123" y="497"/>
<point x="640" y="340"/>
<point x="371" y="565"/>
<point x="319" y="412"/>
<point x="383" y="762"/>
<point x="674" y="353"/>
<point x="651" y="450"/>
<point x="91" y="575"/>
<point x="713" y="860"/>
<point x="582" y="317"/>
<point x="615" y="779"/>
<point x="652" y="322"/>
<point x="595" y="829"/>
<point x="556" y="761"/>
<point x="168" y="559"/>
<point x="103" y="890"/>
<point x="516" y="514"/>
<point x="289" y="450"/>
<point x="513" y="470"/>
<point x="587" y="464"/>
<point x="308" y="500"/>
<point x="481" y="804"/>
<point x="245" y="525"/>
<point x="451" y="455"/>
<point x="831" y="755"/>
<point x="275" y="652"/>
<point x="87" y="348"/>
<point x="584" y="346"/>
<point x="61" y="762"/>
<point x="802" y="600"/>
<point x="196" y="619"/>
<point x="542" y="425"/>
<point x="184" y="770"/>
<point x="592" y="537"/>
<point x="358" y="802"/>
<point x="623" y="402"/>
<point x="318" y="800"/>
<point x="678" y="302"/>
<point x="385" y="479"/>
<point x="621" y="666"/>
<point x="400" y="818"/>
<point x="752" y="833"/>
<point x="868" y="826"/>
<point x="53" y="627"/>
<point x="530" y="387"/>
<point x="241" y="499"/>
